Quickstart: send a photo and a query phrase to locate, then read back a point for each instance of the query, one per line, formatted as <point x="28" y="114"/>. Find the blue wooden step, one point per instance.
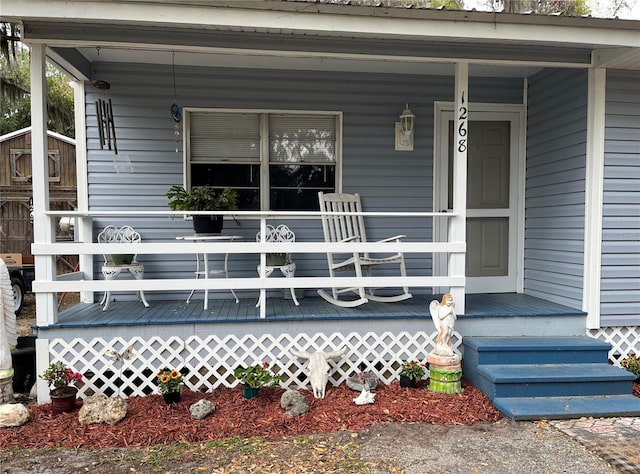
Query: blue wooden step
<point x="530" y="378"/>
<point x="549" y="380"/>
<point x="536" y="350"/>
<point x="554" y="408"/>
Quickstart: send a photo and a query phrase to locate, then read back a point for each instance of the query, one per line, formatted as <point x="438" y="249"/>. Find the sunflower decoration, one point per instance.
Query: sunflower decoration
<point x="169" y="380"/>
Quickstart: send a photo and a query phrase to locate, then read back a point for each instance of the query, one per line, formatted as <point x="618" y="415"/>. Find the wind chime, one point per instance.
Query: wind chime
<point x="104" y="113"/>
<point x="176" y="110"/>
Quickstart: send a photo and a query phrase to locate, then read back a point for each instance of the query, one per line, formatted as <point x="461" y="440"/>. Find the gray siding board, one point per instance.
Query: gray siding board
<point x="572" y="199"/>
<point x="552" y="255"/>
<point x="624" y="259"/>
<point x="622" y="222"/>
<point x="558" y="266"/>
<point x="555" y="167"/>
<point x="554" y="202"/>
<point x="629" y="308"/>
<point x="557" y="190"/>
<point x="561" y="178"/>
<point x="387" y="180"/>
<point x="559" y="245"/>
<point x="571" y="235"/>
<point x="614" y="197"/>
<point x="557" y="222"/>
<point x="620" y="285"/>
<point x="568" y="211"/>
<point x="551" y="292"/>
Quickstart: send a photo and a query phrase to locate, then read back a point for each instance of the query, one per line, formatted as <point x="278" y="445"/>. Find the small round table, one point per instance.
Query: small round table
<point x="202" y="269"/>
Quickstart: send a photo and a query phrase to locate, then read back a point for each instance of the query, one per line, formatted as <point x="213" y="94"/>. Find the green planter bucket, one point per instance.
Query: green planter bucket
<point x="445" y="381"/>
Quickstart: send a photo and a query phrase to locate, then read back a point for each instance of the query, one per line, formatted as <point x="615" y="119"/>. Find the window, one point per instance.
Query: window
<point x="276" y="161"/>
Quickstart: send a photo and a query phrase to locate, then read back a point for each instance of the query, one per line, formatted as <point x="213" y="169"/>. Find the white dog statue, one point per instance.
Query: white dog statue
<point x="318" y="368"/>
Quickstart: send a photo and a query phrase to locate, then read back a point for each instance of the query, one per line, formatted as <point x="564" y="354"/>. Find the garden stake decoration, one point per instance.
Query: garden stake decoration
<point x="445" y="371"/>
<point x="120" y="358"/>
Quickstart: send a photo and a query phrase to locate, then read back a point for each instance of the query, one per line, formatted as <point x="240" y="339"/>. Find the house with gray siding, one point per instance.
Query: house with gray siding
<point x="517" y="188"/>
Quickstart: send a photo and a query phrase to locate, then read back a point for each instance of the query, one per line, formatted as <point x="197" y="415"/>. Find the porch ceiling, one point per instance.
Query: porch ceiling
<point x="299" y="35"/>
<point x="80" y="46"/>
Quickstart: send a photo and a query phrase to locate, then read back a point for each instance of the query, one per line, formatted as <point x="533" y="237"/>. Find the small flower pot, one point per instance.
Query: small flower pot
<point x="250" y="392"/>
<point x="63" y="403"/>
<point x="276" y="259"/>
<point x="171" y="397"/>
<point x="407" y="381"/>
<point x="122" y="258"/>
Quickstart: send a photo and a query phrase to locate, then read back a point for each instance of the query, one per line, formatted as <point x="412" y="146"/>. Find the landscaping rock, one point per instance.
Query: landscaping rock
<point x="13" y="414"/>
<point x="294" y="403"/>
<point x="201" y="409"/>
<point x="363" y="380"/>
<point x="102" y="409"/>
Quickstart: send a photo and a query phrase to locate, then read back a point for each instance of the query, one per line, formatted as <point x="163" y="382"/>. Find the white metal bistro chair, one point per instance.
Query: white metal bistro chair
<point x="350" y="228"/>
<point x="281" y="262"/>
<point x="114" y="264"/>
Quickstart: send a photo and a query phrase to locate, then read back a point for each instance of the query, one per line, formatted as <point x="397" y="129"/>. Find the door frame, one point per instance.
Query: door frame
<point x="516" y="114"/>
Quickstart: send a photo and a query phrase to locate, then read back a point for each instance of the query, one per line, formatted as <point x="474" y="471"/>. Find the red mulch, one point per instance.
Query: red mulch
<point x="150" y="421"/>
<point x="636" y="389"/>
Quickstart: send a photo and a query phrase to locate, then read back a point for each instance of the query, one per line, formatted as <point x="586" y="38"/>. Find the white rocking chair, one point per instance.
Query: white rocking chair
<point x="350" y="228"/>
<point x="114" y="264"/>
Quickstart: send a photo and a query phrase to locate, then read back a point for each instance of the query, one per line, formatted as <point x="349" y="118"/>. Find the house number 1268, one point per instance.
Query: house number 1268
<point x="462" y="129"/>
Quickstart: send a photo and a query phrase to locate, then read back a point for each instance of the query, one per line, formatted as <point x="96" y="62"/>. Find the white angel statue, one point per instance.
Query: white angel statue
<point x="444" y="318"/>
<point x="8" y="333"/>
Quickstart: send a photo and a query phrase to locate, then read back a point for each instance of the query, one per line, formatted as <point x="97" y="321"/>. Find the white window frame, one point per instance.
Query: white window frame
<point x="265" y="204"/>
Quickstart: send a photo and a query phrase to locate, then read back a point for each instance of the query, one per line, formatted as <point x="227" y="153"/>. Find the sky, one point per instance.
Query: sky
<point x="595" y="5"/>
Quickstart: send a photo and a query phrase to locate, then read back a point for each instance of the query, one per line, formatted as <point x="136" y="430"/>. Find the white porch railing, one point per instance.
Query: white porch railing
<point x="47" y="283"/>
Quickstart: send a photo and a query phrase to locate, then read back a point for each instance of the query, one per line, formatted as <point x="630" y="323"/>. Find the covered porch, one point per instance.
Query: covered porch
<point x="351" y="71"/>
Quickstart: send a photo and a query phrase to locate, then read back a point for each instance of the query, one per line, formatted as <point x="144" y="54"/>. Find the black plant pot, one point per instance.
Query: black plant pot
<point x="407" y="381"/>
<point x="23" y="359"/>
<point x="208" y="224"/>
<point x="171" y="397"/>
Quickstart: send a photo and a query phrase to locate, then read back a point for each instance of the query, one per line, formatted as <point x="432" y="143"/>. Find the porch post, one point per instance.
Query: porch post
<point x="83" y="225"/>
<point x="594" y="186"/>
<point x="458" y="223"/>
<point x="43" y="233"/>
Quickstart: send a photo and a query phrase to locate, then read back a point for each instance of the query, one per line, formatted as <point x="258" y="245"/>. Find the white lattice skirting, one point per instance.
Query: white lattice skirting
<point x="624" y="340"/>
<point x="209" y="363"/>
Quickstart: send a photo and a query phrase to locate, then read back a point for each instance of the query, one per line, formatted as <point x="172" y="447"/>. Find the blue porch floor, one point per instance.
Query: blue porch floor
<point x="171" y="312"/>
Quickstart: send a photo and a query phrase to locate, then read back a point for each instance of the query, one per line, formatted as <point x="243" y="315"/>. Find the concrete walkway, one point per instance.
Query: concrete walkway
<point x="615" y="440"/>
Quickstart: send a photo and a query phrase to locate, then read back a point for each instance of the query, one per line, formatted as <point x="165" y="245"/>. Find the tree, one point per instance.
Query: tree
<point x="611" y="8"/>
<point x="541" y="7"/>
<point x="447" y="4"/>
<point x="15" y="99"/>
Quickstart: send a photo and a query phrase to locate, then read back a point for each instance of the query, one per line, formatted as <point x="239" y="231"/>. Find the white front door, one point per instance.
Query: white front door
<point x="494" y="224"/>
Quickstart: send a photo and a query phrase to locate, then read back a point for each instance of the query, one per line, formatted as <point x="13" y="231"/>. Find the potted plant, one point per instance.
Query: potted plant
<point x="632" y="364"/>
<point x="254" y="377"/>
<point x="411" y="372"/>
<point x="203" y="198"/>
<point x="60" y="379"/>
<point x="170" y="383"/>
